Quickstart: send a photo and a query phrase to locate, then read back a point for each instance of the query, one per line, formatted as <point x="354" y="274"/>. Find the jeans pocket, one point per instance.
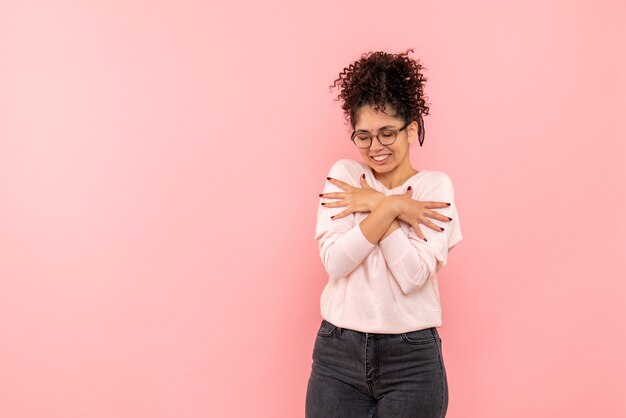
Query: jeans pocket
<point x="423" y="336"/>
<point x="326" y="329"/>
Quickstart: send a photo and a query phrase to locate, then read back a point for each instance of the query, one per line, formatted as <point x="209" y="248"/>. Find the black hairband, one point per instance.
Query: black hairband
<point x="420" y="132"/>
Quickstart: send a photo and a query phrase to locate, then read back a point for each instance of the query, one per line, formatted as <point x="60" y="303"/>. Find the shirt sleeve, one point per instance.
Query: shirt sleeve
<point x="342" y="245"/>
<point x="410" y="259"/>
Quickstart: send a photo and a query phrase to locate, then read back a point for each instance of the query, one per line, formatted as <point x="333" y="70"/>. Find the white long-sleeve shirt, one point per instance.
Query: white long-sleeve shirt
<point x="389" y="287"/>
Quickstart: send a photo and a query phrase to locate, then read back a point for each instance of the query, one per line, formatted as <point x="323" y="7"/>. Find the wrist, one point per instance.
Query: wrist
<point x="374" y="203"/>
<point x="392" y="204"/>
<point x="392" y="228"/>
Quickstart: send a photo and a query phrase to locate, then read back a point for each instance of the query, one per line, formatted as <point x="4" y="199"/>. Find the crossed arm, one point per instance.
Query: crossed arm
<point x="343" y="247"/>
<point x="384" y="211"/>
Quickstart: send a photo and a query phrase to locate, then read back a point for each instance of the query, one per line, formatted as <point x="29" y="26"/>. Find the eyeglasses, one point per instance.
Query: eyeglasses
<point x="385" y="137"/>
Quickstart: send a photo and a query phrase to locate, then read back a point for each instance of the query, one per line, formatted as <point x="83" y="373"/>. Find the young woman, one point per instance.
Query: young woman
<point x="377" y="351"/>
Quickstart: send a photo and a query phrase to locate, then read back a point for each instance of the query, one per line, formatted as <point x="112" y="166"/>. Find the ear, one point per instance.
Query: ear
<point x="412" y="131"/>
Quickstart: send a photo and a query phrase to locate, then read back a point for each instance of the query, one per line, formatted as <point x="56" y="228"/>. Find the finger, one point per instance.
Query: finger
<point x="333" y="195"/>
<point x="342" y="214"/>
<point x="438" y="216"/>
<point x="435" y="205"/>
<point x="418" y="231"/>
<point x="339" y="183"/>
<point x="364" y="182"/>
<point x="432" y="226"/>
<point x="334" y="204"/>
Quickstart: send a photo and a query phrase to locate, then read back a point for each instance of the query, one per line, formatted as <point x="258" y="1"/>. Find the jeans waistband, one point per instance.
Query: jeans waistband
<point x="425" y="331"/>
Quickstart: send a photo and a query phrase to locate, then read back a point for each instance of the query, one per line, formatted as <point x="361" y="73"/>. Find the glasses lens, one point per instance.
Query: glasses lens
<point x="387" y="137"/>
<point x="362" y="140"/>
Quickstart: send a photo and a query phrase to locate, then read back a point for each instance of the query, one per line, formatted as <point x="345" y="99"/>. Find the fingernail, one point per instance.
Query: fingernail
<point x="448" y="204"/>
<point x="410" y="188"/>
<point x="448" y="216"/>
<point x="442" y="229"/>
<point x="363" y="175"/>
<point x="323" y="203"/>
<point x="332" y="217"/>
<point x="425" y="240"/>
<point x="328" y="178"/>
<point x="321" y="194"/>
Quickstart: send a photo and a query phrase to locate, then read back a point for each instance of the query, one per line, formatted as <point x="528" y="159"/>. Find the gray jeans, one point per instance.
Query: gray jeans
<point x="361" y="374"/>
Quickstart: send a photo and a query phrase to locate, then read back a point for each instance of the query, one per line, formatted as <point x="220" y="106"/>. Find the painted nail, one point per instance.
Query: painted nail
<point x="323" y="203"/>
<point x="449" y="218"/>
<point x="321" y="194"/>
<point x="425" y="240"/>
<point x="332" y="217"/>
<point x="410" y="188"/>
<point x="448" y="204"/>
<point x="363" y="175"/>
<point x="328" y="178"/>
<point x="442" y="229"/>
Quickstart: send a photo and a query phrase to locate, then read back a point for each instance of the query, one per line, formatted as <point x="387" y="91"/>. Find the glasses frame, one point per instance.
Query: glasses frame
<point x="372" y="137"/>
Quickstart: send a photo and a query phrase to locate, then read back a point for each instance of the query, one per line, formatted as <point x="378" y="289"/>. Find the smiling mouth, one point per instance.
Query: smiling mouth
<point x="380" y="158"/>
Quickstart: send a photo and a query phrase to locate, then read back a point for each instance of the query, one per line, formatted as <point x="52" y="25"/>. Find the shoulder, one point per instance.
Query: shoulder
<point x="346" y="169"/>
<point x="435" y="180"/>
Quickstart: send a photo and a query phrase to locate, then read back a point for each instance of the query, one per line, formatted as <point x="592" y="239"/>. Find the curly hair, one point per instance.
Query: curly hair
<point x="378" y="79"/>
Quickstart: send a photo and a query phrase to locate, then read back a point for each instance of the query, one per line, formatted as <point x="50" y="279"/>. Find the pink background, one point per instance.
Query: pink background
<point x="159" y="170"/>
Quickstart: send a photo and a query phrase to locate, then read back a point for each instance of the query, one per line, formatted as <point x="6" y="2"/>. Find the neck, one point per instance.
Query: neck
<point x="397" y="176"/>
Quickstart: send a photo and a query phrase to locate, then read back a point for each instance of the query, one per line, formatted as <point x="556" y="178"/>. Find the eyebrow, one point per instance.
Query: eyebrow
<point x="383" y="127"/>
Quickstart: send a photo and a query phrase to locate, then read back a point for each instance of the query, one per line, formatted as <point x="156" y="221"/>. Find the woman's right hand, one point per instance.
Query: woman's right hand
<point x="415" y="212"/>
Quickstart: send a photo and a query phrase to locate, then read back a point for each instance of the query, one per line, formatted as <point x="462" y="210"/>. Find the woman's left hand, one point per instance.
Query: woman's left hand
<point x="364" y="199"/>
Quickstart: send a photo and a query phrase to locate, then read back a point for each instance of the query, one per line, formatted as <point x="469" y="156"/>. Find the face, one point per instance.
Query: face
<point x="388" y="157"/>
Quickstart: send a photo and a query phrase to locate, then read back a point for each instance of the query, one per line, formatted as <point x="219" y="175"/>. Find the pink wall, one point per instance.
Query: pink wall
<point x="159" y="170"/>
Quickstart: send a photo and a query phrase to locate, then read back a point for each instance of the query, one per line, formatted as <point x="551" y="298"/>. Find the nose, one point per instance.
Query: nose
<point x="376" y="145"/>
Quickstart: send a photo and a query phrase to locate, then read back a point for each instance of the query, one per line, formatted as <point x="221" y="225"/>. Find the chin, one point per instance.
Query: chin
<point x="381" y="169"/>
